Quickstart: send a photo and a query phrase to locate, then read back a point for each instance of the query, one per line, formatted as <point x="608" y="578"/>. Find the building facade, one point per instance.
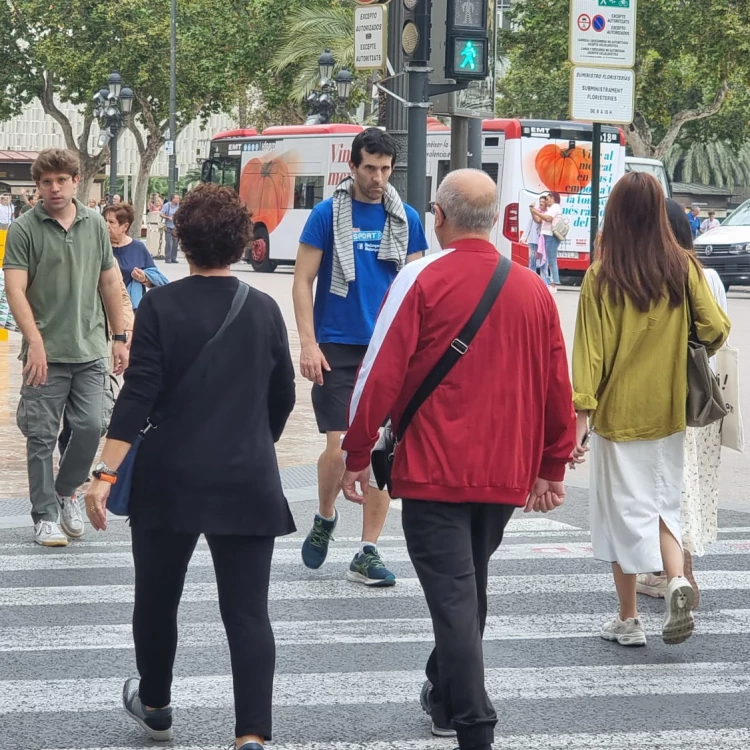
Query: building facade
<point x="32" y="131"/>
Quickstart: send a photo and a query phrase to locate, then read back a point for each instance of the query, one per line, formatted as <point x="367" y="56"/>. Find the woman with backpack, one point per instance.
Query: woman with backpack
<point x="551" y="214"/>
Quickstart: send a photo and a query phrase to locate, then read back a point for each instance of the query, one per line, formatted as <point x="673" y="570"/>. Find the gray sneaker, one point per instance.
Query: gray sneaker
<point x="157" y="723"/>
<point x="71" y="517"/>
<point x="627" y="633"/>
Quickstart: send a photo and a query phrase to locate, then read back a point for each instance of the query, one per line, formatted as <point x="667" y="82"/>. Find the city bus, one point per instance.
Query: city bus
<point x="284" y="171"/>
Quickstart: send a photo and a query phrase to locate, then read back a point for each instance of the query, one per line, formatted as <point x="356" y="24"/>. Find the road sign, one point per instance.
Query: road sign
<point x="606" y="37"/>
<point x="169" y="148"/>
<point x="602" y="95"/>
<point x="370" y="35"/>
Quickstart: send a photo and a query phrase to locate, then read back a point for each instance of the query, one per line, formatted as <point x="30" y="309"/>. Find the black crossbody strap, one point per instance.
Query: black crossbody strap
<point x="190" y="379"/>
<point x="459" y="346"/>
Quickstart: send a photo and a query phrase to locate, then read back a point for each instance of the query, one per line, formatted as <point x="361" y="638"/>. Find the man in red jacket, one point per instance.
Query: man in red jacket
<point x="494" y="435"/>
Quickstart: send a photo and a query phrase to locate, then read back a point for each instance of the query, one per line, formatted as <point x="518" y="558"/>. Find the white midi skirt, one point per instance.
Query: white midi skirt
<point x="633" y="484"/>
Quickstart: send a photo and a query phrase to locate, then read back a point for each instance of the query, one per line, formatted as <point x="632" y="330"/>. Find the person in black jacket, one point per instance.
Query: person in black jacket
<point x="208" y="468"/>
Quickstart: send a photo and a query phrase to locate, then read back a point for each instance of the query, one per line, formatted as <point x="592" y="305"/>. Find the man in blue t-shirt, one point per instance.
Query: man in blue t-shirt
<point x="694" y="219"/>
<point x="354" y="244"/>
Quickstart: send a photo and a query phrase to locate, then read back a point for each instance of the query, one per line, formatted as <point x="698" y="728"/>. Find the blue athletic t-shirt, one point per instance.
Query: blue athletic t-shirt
<point x="351" y="319"/>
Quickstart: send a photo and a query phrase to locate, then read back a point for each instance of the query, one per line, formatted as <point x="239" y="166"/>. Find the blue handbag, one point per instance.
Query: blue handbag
<point x="118" y="502"/>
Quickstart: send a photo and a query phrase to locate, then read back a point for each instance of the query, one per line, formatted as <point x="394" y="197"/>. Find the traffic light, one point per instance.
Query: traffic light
<point x="467" y="40"/>
<point x="415" y="32"/>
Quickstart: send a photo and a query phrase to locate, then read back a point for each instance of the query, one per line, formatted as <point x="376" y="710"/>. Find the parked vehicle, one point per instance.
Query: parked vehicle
<point x="653" y="167"/>
<point x="727" y="248"/>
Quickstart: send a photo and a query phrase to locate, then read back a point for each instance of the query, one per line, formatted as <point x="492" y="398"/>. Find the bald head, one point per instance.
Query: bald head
<point x="468" y="199"/>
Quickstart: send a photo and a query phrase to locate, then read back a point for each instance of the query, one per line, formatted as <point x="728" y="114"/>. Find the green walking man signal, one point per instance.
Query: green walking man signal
<point x="468" y="56"/>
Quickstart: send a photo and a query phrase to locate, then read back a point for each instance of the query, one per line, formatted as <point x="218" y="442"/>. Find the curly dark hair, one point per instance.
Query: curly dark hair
<point x="213" y="226"/>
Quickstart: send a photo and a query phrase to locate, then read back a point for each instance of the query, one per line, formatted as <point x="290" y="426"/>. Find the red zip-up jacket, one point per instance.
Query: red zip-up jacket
<point x="503" y="415"/>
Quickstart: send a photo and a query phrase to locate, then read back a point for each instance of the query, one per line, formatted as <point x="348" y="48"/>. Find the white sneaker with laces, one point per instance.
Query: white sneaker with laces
<point x="678" y="619"/>
<point x="71" y="518"/>
<point x="651" y="585"/>
<point x="627" y="633"/>
<point x="48" y="534"/>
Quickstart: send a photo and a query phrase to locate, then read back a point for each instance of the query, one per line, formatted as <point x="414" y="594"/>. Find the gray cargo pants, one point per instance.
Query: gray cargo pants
<point x="83" y="392"/>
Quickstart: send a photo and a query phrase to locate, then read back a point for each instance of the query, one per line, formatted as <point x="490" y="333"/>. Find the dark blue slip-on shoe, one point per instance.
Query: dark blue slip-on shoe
<point x="157" y="723"/>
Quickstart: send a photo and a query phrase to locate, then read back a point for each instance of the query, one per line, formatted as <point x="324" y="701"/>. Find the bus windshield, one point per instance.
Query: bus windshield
<point x="222" y="170"/>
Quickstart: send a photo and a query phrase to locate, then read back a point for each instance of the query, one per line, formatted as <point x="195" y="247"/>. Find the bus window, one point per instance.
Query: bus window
<point x="444" y="166"/>
<point x="308" y="191"/>
<point x="222" y="170"/>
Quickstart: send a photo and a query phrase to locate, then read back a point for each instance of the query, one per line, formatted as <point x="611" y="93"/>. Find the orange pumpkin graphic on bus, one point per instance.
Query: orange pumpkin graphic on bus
<point x="564" y="170"/>
<point x="265" y="188"/>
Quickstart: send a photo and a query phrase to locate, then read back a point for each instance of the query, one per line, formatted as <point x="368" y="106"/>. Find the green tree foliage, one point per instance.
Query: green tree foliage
<point x="693" y="59"/>
<point x="63" y="51"/>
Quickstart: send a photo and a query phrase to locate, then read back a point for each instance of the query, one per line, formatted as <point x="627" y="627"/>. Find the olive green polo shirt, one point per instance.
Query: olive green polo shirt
<point x="63" y="287"/>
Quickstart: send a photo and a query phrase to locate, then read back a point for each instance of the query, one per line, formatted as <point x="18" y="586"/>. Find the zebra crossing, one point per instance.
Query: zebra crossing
<point x="350" y="659"/>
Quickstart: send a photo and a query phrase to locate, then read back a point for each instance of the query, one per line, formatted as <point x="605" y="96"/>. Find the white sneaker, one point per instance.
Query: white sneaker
<point x="651" y="585"/>
<point x="48" y="534"/>
<point x="552" y="289"/>
<point x="678" y="619"/>
<point x="71" y="518"/>
<point x="626" y="633"/>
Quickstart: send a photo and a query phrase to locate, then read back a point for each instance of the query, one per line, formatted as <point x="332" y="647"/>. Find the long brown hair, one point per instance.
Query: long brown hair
<point x="640" y="256"/>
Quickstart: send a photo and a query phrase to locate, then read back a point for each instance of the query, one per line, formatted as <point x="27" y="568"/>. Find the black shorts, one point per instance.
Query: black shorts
<point x="331" y="400"/>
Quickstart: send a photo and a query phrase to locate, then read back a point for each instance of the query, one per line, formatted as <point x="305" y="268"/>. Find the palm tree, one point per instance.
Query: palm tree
<point x="713" y="163"/>
<point x="311" y="28"/>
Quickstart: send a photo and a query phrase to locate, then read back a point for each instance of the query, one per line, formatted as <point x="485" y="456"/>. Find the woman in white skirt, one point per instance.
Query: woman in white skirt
<point x="630" y="383"/>
<point x="700" y="486"/>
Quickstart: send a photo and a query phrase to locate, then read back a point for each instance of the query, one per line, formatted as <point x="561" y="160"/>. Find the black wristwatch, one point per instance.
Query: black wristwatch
<point x="120" y="337"/>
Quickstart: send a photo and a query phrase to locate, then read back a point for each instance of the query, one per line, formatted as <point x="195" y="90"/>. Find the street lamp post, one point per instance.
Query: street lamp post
<point x="112" y="105"/>
<point x="323" y="102"/>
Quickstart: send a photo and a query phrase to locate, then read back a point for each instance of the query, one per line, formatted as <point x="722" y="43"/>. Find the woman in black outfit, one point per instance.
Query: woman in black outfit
<point x="208" y="468"/>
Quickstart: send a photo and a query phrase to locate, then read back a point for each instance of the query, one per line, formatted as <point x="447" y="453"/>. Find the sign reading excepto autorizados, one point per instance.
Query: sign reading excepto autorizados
<point x="602" y="95"/>
<point x="370" y="34"/>
<point x="602" y="33"/>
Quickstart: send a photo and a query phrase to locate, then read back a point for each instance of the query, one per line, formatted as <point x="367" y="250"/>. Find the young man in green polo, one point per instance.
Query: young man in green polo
<point x="59" y="269"/>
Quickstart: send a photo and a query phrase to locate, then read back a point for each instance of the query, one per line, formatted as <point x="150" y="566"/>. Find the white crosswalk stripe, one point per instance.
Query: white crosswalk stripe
<point x="350" y="659"/>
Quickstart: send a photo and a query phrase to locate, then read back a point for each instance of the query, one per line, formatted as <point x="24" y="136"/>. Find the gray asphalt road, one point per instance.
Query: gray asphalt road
<point x="350" y="660"/>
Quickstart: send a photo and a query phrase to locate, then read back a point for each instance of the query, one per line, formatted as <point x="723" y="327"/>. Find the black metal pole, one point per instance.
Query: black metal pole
<point x="114" y="126"/>
<point x="475" y="143"/>
<point x="395" y="112"/>
<point x="596" y="158"/>
<point x="416" y="178"/>
<point x="173" y="100"/>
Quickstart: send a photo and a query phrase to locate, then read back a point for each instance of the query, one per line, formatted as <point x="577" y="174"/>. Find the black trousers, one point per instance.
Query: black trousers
<point x="243" y="568"/>
<point x="450" y="545"/>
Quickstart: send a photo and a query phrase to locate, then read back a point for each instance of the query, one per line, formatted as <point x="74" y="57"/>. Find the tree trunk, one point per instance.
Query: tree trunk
<point x="243" y="108"/>
<point x="91" y="165"/>
<point x="148" y="157"/>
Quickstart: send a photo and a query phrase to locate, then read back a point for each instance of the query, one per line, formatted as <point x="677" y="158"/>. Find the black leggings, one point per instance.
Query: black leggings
<point x="243" y="568"/>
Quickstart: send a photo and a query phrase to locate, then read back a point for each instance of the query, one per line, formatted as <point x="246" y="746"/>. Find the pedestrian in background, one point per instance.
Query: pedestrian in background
<point x="478" y="447"/>
<point x="708" y="224"/>
<point x="132" y="256"/>
<point x="59" y="269"/>
<point x="700" y="486"/>
<point x="630" y="382"/>
<point x="532" y="237"/>
<point x="167" y="212"/>
<point x="552" y="212"/>
<point x="7" y="211"/>
<point x="210" y="467"/>
<point x="694" y="217"/>
<point x="354" y="245"/>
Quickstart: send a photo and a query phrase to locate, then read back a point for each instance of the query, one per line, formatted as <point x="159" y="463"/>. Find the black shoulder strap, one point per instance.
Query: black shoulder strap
<point x="189" y="381"/>
<point x="460" y="345"/>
